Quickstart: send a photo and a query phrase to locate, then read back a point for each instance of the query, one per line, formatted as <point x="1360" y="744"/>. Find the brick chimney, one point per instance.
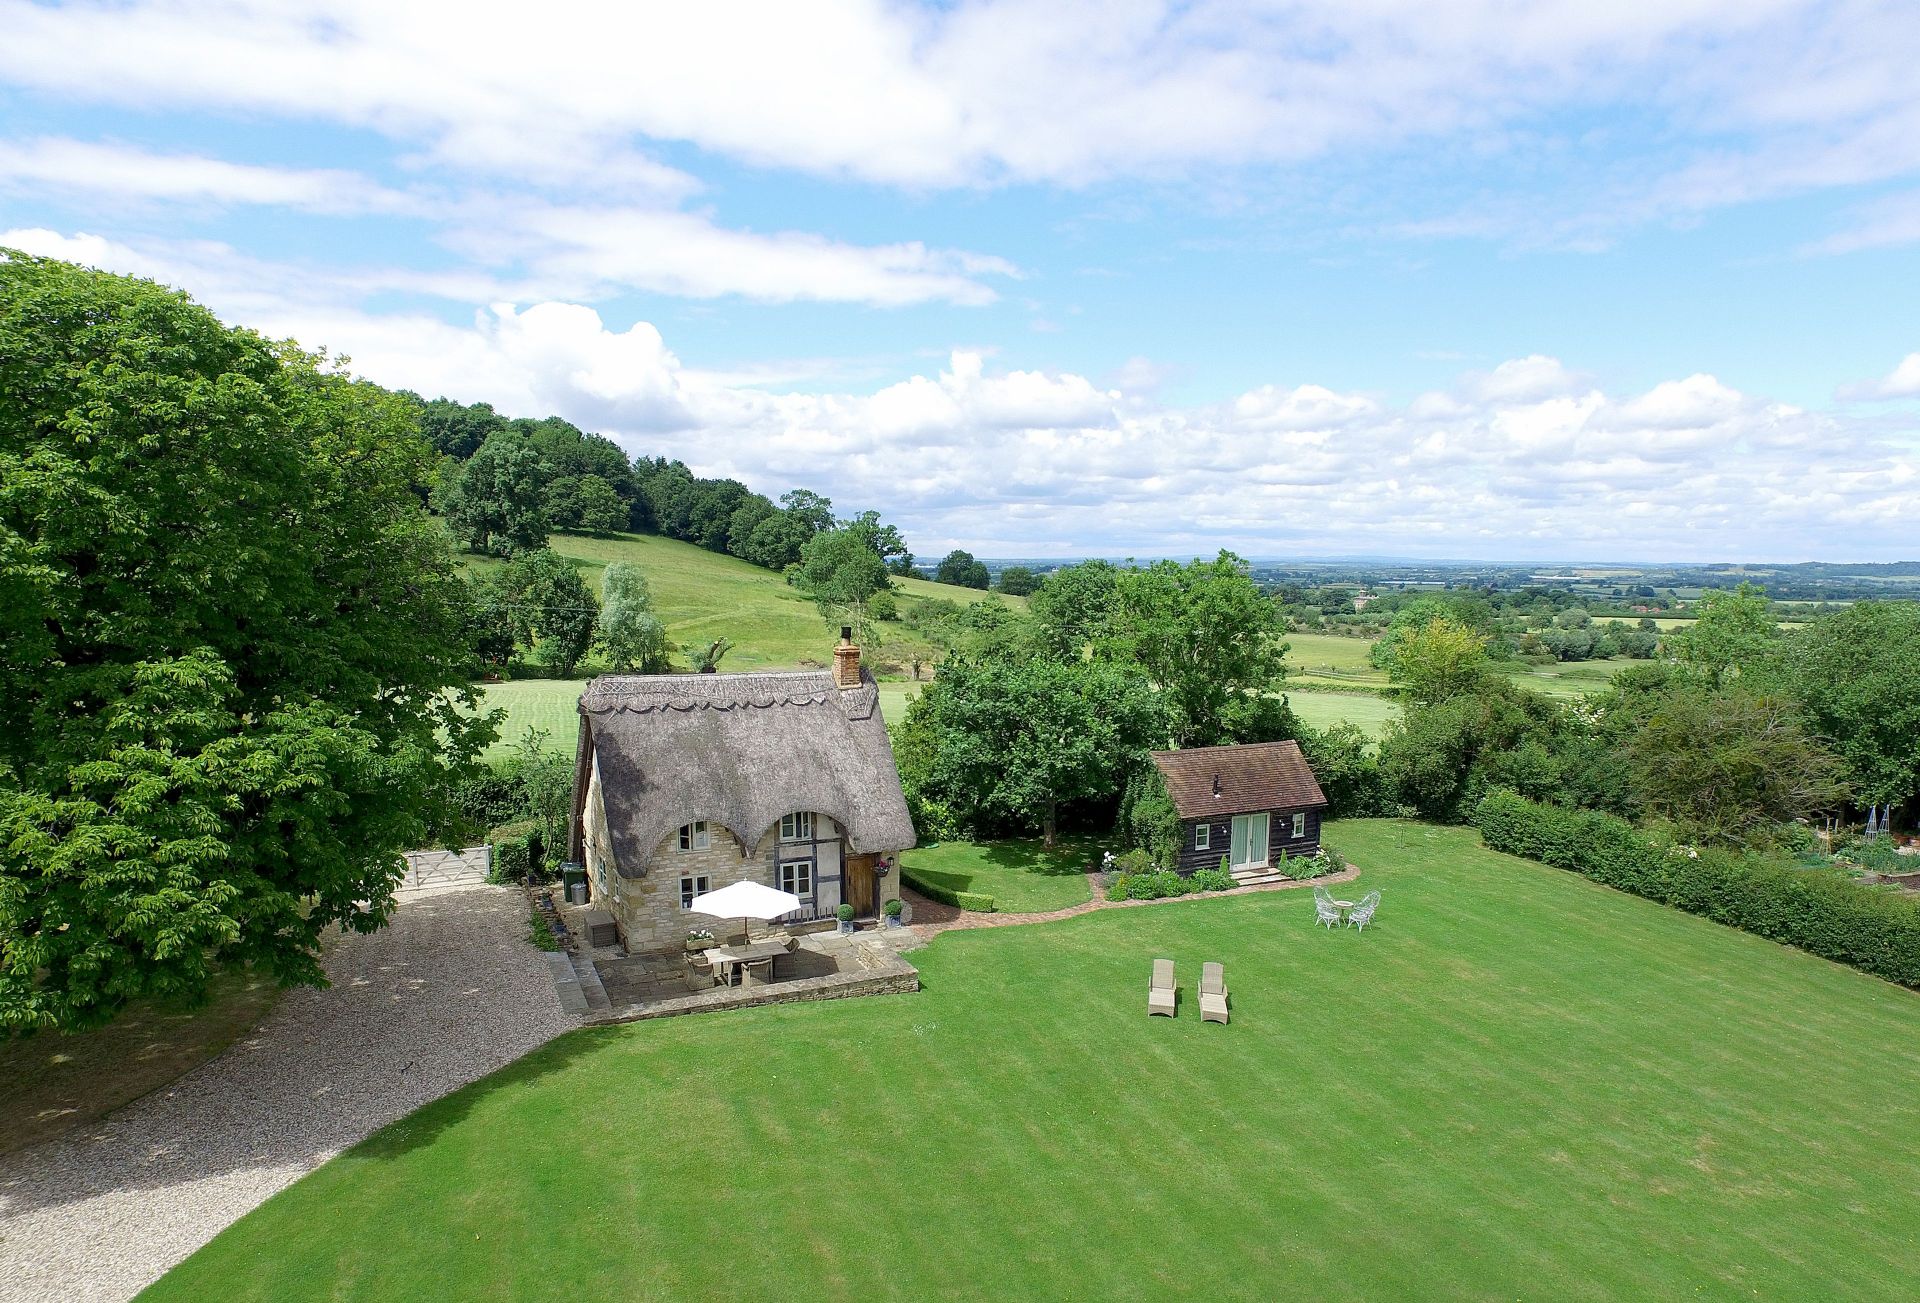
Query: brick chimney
<point x="846" y="660"/>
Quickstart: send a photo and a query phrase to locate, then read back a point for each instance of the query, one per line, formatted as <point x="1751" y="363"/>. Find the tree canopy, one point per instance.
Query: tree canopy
<point x="1206" y="636"/>
<point x="633" y="636"/>
<point x="232" y="649"/>
<point x="1858" y="673"/>
<point x="960" y="569"/>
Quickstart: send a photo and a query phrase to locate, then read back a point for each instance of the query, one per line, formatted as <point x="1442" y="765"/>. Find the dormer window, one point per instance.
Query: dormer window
<point x="695" y="837"/>
<point x="796" y="827"/>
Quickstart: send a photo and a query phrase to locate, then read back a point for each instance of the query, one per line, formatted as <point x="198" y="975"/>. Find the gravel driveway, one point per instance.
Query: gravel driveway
<point x="446" y="993"/>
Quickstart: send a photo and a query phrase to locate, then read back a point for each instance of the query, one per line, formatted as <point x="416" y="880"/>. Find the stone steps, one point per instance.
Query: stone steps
<point x="1258" y="877"/>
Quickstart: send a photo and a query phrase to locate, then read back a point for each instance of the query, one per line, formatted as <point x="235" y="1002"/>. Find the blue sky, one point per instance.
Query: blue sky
<point x="1545" y="281"/>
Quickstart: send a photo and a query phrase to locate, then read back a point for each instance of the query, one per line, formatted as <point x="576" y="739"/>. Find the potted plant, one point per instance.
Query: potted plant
<point x="845" y="915"/>
<point x="699" y="939"/>
<point x="892" y="910"/>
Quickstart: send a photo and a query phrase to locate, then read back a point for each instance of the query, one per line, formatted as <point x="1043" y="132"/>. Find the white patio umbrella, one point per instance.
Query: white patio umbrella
<point x="745" y="900"/>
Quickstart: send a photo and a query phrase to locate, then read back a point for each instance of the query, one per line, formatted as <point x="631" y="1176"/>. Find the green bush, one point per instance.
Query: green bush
<point x="892" y="909"/>
<point x="1821" y="911"/>
<point x="975" y="902"/>
<point x="844" y="913"/>
<point x="1332" y="861"/>
<point x="1212" y="880"/>
<point x="1117" y="889"/>
<point x="512" y="859"/>
<point x="883" y="606"/>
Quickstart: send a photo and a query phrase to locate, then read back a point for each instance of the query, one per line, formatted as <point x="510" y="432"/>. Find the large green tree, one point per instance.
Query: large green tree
<point x="960" y="569"/>
<point x="1439" y="660"/>
<point x="232" y="651"/>
<point x="1206" y="636"/>
<point x="1733" y="633"/>
<point x="633" y="636"/>
<point x="1729" y="766"/>
<point x="1008" y="741"/>
<point x="499" y="502"/>
<point x="553" y="611"/>
<point x="1858" y="672"/>
<point x="840" y="571"/>
<point x="1074" y="604"/>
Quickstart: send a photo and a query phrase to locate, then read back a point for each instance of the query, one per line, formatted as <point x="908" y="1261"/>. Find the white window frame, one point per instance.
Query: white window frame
<point x="1299" y="826"/>
<point x="694" y="884"/>
<point x="795" y="877"/>
<point x="797" y="827"/>
<point x="1203" y="836"/>
<point x="696" y="836"/>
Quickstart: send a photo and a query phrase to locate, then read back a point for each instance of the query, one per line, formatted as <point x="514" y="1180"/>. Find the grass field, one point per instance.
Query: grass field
<point x="1319" y="709"/>
<point x="703" y="595"/>
<point x="551" y="704"/>
<point x="1023" y="877"/>
<point x="1516" y="1085"/>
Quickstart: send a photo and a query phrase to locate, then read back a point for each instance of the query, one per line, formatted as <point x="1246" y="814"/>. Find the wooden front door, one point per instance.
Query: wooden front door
<point x="857" y="890"/>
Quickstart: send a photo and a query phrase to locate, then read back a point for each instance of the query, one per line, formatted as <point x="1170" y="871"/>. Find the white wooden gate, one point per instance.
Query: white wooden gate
<point x="462" y="868"/>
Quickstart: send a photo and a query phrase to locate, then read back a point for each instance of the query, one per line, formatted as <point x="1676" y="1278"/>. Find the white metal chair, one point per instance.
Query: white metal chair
<point x="1324" y="910"/>
<point x="1362" y="914"/>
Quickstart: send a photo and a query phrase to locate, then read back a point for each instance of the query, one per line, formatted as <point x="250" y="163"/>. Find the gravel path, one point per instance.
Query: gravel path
<point x="446" y="993"/>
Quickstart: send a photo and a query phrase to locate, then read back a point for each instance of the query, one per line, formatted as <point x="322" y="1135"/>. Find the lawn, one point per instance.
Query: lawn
<point x="550" y="704"/>
<point x="1022" y="876"/>
<point x="1516" y="1085"/>
<point x="1319" y="709"/>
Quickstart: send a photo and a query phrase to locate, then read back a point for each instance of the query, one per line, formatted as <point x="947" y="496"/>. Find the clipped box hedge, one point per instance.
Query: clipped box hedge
<point x="1821" y="911"/>
<point x="975" y="902"/>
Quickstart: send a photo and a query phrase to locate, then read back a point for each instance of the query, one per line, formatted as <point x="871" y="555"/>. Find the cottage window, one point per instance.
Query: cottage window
<point x="695" y="837"/>
<point x="796" y="828"/>
<point x="1299" y="826"/>
<point x="796" y="876"/>
<point x="693" y="885"/>
<point x="1203" y="837"/>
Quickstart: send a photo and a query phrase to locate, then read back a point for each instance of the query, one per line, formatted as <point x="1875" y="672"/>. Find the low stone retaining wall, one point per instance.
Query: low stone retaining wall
<point x="894" y="977"/>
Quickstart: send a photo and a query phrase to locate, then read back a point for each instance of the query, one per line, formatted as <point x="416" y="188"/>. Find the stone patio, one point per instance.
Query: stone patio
<point x="826" y="966"/>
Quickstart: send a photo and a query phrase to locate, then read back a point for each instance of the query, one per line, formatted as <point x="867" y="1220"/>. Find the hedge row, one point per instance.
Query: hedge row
<point x="1821" y="911"/>
<point x="516" y="850"/>
<point x="976" y="902"/>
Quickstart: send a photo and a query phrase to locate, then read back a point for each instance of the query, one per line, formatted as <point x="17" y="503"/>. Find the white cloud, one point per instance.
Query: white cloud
<point x="1005" y="89"/>
<point x="1527" y="461"/>
<point x="585" y="252"/>
<point x="84" y="167"/>
<point x="1902" y="382"/>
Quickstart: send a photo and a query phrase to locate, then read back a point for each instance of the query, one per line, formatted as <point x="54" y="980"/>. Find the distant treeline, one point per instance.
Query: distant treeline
<point x="504" y="483"/>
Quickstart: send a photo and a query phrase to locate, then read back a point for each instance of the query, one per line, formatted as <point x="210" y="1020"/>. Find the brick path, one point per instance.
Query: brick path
<point x="931" y="918"/>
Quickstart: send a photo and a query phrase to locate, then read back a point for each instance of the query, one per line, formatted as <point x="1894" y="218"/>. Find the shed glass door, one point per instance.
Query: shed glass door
<point x="1249" y="846"/>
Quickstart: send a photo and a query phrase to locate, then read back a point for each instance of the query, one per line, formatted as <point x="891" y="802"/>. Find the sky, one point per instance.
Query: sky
<point x="1547" y="282"/>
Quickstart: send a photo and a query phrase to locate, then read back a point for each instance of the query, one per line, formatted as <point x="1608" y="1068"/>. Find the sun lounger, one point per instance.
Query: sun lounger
<point x="1160" y="995"/>
<point x="1213" y="993"/>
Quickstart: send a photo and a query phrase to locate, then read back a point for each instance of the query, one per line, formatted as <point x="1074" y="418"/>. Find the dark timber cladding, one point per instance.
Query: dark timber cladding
<point x="1219" y="794"/>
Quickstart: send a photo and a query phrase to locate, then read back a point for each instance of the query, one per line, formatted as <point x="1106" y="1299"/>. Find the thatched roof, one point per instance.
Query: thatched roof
<point x="1244" y="779"/>
<point x="738" y="750"/>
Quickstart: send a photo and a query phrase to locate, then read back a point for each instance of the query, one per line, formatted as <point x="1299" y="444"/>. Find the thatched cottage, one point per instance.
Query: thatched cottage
<point x="1243" y="804"/>
<point x="685" y="783"/>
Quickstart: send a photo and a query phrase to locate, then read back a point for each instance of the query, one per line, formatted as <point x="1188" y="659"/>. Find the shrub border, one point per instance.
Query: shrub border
<point x="974" y="902"/>
<point x="1820" y="911"/>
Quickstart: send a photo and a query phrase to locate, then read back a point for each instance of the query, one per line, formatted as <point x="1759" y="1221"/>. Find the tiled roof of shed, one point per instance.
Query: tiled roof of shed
<point x="1239" y="779"/>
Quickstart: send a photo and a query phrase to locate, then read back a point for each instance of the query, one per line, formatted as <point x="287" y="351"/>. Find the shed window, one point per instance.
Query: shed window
<point x="796" y="827"/>
<point x="1299" y="826"/>
<point x="693" y="885"/>
<point x="695" y="837"/>
<point x="1203" y="836"/>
